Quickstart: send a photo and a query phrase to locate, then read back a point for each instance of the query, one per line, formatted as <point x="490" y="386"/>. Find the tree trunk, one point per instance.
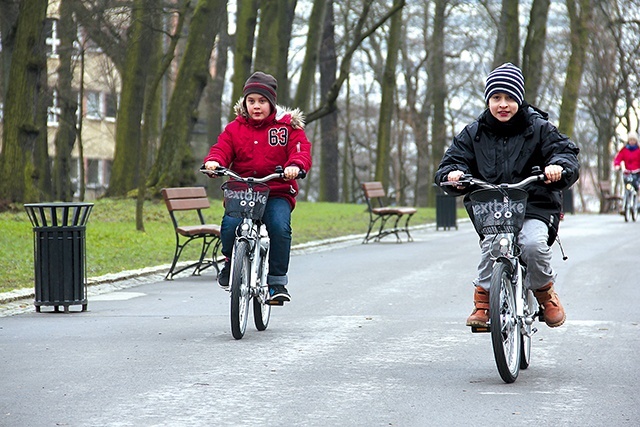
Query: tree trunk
<point x="174" y="165"/>
<point x="438" y="89"/>
<point x="23" y="129"/>
<point x="533" y="52"/>
<point x="66" y="135"/>
<point x="580" y="17"/>
<point x="125" y="169"/>
<point x="329" y="151"/>
<point x="310" y="62"/>
<point x="387" y="102"/>
<point x="246" y="18"/>
<point x="508" y="41"/>
<point x="8" y="22"/>
<point x="272" y="46"/>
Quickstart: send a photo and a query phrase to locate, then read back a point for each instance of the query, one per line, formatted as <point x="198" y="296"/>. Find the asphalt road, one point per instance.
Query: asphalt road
<point x="374" y="336"/>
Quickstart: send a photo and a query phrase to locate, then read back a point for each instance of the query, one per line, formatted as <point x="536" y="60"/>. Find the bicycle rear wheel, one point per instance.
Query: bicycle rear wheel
<point x="505" y="331"/>
<point x="261" y="310"/>
<point x="634" y="206"/>
<point x="240" y="277"/>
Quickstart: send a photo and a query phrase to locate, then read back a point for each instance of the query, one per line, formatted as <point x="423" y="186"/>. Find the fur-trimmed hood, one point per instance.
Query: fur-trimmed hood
<point x="293" y="117"/>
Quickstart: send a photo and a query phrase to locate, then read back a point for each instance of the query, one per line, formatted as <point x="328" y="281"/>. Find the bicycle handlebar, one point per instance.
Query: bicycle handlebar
<point x="222" y="171"/>
<point x="467" y="179"/>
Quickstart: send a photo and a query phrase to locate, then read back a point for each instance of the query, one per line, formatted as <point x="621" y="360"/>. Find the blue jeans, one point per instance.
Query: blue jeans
<point x="277" y="218"/>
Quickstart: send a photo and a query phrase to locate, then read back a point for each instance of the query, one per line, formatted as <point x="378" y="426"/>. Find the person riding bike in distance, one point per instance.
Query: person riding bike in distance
<point x="262" y="137"/>
<point x="629" y="155"/>
<point x="503" y="145"/>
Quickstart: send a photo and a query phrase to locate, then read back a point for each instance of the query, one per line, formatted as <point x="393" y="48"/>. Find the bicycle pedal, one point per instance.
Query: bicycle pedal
<point x="274" y="302"/>
<point x="480" y="329"/>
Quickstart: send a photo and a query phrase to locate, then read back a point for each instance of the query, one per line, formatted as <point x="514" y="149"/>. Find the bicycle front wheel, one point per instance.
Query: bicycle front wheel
<point x="505" y="332"/>
<point x="240" y="277"/>
<point x="634" y="206"/>
<point x="261" y="310"/>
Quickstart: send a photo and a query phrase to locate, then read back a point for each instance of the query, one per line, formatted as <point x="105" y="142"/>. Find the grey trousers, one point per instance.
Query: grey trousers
<point x="535" y="253"/>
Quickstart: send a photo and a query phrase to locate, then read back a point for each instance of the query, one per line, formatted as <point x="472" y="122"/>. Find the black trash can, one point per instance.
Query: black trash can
<point x="445" y="211"/>
<point x="59" y="253"/>
<point x="567" y="201"/>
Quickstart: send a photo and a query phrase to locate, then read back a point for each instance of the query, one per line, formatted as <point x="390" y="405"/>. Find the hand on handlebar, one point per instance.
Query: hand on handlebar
<point x="291" y="172"/>
<point x="553" y="173"/>
<point x="211" y="165"/>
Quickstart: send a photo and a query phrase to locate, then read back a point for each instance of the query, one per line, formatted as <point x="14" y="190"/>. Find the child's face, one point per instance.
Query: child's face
<point x="502" y="106"/>
<point x="258" y="106"/>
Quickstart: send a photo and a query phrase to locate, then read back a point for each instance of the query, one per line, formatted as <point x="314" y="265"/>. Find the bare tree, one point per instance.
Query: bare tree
<point x="174" y="165"/>
<point x="329" y="190"/>
<point x="66" y="135"/>
<point x="580" y="12"/>
<point x="534" y="49"/>
<point x="387" y="102"/>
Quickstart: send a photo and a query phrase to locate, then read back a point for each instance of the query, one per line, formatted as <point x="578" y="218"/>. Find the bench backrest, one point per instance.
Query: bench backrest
<point x="185" y="199"/>
<point x="374" y="191"/>
<point x="605" y="189"/>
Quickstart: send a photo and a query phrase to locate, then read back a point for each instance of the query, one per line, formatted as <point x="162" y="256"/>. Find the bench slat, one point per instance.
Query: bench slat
<point x="187" y="204"/>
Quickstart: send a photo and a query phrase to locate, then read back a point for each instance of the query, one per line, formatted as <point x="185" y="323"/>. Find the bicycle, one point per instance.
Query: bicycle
<point x="246" y="198"/>
<point x="499" y="210"/>
<point x="630" y="198"/>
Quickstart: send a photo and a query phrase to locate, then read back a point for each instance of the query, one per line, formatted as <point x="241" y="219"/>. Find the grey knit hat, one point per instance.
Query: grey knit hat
<point x="263" y="84"/>
<point x="508" y="79"/>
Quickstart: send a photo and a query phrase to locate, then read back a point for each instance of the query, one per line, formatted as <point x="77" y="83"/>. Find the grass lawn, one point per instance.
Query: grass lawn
<point x="113" y="244"/>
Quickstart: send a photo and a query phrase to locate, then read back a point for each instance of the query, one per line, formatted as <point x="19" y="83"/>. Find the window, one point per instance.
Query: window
<point x="52" y="40"/>
<point x="110" y="106"/>
<point x="94" y="109"/>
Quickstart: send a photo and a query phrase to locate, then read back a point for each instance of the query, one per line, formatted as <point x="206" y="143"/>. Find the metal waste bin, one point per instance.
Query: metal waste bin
<point x="59" y="253"/>
<point x="567" y="201"/>
<point x="445" y="211"/>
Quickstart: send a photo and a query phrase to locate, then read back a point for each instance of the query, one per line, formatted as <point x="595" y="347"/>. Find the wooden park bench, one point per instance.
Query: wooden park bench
<point x="380" y="212"/>
<point x="186" y="204"/>
<point x="610" y="202"/>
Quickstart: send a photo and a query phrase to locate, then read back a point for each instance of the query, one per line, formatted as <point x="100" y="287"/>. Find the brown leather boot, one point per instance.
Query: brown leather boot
<point x="480" y="314"/>
<point x="554" y="314"/>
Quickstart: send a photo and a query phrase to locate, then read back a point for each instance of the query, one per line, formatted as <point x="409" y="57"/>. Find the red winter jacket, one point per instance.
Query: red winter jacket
<point x="631" y="158"/>
<point x="252" y="148"/>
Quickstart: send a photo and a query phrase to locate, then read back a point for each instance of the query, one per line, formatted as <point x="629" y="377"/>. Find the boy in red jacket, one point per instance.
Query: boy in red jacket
<point x="263" y="136"/>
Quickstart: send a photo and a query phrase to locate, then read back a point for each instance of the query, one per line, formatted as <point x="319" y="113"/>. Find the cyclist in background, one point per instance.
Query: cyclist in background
<point x="630" y="156"/>
<point x="262" y="137"/>
<point x="503" y="145"/>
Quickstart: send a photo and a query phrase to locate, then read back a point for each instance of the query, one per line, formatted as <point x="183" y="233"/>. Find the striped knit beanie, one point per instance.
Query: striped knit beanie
<point x="508" y="79"/>
<point x="263" y="84"/>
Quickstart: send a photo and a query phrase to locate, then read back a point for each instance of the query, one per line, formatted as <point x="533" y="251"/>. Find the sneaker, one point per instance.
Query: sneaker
<point x="223" y="276"/>
<point x="279" y="293"/>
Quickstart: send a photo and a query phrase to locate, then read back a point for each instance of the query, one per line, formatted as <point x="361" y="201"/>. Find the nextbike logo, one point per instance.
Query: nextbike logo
<point x="247" y="195"/>
<point x="499" y="209"/>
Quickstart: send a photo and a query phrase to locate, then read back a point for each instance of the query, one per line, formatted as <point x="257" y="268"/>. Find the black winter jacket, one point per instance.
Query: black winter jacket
<point x="509" y="157"/>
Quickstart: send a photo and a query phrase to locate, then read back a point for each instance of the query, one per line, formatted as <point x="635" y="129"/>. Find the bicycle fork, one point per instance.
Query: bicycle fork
<point x="525" y="317"/>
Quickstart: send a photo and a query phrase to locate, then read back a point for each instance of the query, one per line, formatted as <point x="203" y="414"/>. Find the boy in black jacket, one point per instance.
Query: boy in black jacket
<point x="502" y="146"/>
